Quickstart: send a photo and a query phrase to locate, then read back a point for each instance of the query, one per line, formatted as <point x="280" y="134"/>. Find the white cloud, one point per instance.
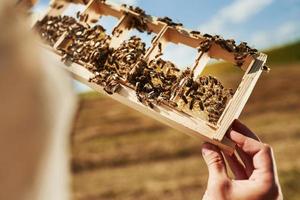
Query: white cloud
<point x="181" y="55"/>
<point x="237" y="12"/>
<point x="260" y="39"/>
<point x="287" y="29"/>
<point x="281" y="34"/>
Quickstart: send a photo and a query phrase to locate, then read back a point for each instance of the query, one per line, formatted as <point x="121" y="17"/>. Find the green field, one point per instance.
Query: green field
<point x="118" y="153"/>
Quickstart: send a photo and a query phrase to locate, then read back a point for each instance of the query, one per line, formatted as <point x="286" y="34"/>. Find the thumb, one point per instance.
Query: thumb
<point x="215" y="163"/>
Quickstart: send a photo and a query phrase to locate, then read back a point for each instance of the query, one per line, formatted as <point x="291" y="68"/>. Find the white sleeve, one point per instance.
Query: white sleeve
<point x="37" y="105"/>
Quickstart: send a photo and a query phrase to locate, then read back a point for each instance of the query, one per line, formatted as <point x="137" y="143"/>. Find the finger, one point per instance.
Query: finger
<point x="236" y="167"/>
<point x="247" y="148"/>
<point x="264" y="160"/>
<point x="205" y="196"/>
<point x="246" y="144"/>
<point x="263" y="163"/>
<point x="215" y="163"/>
<point x="247" y="160"/>
<point x="241" y="128"/>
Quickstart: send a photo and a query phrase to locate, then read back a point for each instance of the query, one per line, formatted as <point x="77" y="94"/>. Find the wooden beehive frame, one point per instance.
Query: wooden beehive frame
<point x="165" y="34"/>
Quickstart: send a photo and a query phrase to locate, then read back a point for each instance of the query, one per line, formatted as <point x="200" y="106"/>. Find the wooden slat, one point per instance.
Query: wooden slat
<point x="200" y="63"/>
<point x="122" y="25"/>
<point x="159" y="38"/>
<point x="105" y="9"/>
<point x="218" y="52"/>
<point x="92" y="11"/>
<point x="241" y="96"/>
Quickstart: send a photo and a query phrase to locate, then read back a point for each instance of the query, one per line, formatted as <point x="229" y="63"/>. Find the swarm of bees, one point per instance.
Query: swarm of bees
<point x="123" y="59"/>
<point x="51" y="28"/>
<point x="138" y="22"/>
<point x="240" y="51"/>
<point x="88" y="45"/>
<point x="155" y="81"/>
<point x="205" y="94"/>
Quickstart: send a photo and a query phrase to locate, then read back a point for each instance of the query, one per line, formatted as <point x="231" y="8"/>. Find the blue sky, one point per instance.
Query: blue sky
<point x="262" y="23"/>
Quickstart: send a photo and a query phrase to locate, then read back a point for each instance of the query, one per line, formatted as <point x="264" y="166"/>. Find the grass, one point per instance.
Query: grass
<point x="286" y="54"/>
<point x="119" y="153"/>
<point x="90" y="95"/>
<point x="290" y="183"/>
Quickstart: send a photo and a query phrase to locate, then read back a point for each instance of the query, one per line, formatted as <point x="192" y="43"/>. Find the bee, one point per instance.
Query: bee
<point x="227" y="45"/>
<point x="149" y="103"/>
<point x="78" y="33"/>
<point x="195" y="32"/>
<point x="117" y="32"/>
<point x="112" y="87"/>
<point x="86" y="17"/>
<point x="94" y="21"/>
<point x="164" y="19"/>
<point x="239" y="63"/>
<point x="79" y="16"/>
<point x="53" y="5"/>
<point x="192" y="103"/>
<point x="266" y="68"/>
<point x="65" y="57"/>
<point x="59" y="7"/>
<point x="159" y="47"/>
<point x="187" y="93"/>
<point x="210" y="109"/>
<point x="207" y="35"/>
<point x="201" y="106"/>
<point x="172" y="103"/>
<point x="158" y="55"/>
<point x="240" y="56"/>
<point x="183" y="97"/>
<point x="152" y="94"/>
<point x="139" y="86"/>
<point x="143" y="100"/>
<point x="205" y="45"/>
<point x="213" y="119"/>
<point x="152" y="40"/>
<point x="177" y="24"/>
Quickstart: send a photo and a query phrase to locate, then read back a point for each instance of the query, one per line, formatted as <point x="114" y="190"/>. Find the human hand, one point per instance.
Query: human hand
<point x="255" y="172"/>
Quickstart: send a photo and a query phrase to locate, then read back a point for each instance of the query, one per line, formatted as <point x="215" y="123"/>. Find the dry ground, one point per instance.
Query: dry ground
<point x="119" y="153"/>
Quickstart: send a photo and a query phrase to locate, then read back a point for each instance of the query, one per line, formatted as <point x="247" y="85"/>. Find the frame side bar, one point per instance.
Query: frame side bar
<point x="241" y="96"/>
